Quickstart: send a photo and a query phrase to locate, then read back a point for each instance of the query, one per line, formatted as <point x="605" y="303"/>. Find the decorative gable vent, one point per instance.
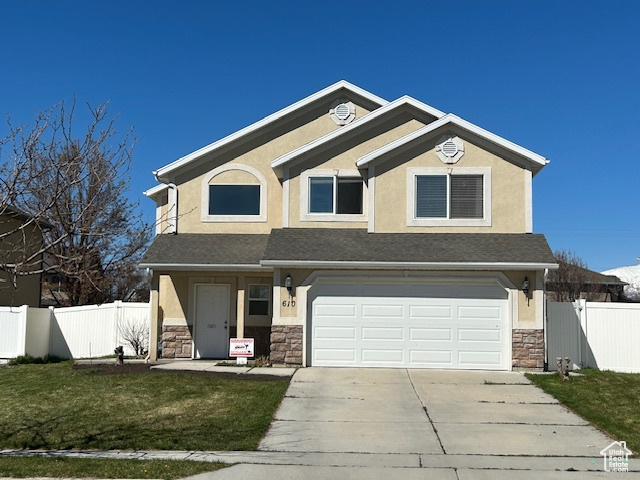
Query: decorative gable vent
<point x="450" y="149"/>
<point x="342" y="112"/>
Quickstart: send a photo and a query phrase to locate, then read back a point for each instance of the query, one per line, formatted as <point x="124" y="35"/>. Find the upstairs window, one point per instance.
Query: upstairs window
<point x="234" y="199"/>
<point x="448" y="197"/>
<point x="335" y="195"/>
<point x="233" y="192"/>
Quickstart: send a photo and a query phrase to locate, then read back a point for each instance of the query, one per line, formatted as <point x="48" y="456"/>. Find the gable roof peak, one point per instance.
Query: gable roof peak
<point x="339" y="85"/>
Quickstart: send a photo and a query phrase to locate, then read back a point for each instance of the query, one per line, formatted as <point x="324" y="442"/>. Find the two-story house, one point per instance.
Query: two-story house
<point x="347" y="230"/>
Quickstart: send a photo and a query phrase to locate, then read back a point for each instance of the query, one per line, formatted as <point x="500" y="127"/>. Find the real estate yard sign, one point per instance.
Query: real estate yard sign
<point x="241" y="347"/>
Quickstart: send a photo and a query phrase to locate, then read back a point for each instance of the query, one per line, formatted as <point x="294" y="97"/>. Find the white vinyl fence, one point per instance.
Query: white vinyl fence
<point x="594" y="334"/>
<point x="70" y="332"/>
<point x="13" y="328"/>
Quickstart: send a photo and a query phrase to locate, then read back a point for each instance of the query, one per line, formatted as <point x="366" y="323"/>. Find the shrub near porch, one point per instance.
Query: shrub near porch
<point x="59" y="407"/>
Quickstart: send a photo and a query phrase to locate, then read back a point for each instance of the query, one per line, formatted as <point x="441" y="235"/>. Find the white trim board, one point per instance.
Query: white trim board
<point x="451" y="119"/>
<point x="410" y="265"/>
<point x="396" y="104"/>
<point x="225" y="267"/>
<point x="342" y="84"/>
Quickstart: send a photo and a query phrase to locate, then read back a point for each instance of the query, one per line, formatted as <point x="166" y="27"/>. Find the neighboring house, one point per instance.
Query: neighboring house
<point x="346" y="230"/>
<point x="588" y="285"/>
<point x="20" y="237"/>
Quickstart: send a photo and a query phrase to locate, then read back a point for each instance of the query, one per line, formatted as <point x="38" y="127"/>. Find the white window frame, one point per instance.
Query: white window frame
<point x="307" y="216"/>
<point x="268" y="299"/>
<point x="414" y="221"/>
<point x="206" y="182"/>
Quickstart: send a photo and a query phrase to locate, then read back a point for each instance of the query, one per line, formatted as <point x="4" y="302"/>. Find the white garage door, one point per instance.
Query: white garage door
<point x="409" y="325"/>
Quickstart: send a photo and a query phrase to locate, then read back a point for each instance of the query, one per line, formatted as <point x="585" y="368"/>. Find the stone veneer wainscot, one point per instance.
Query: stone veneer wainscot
<point x="528" y="349"/>
<point x="286" y="344"/>
<point x="176" y="341"/>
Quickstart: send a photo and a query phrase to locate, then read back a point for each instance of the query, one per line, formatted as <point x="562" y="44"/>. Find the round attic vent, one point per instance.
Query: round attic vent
<point x="449" y="148"/>
<point x="342" y="111"/>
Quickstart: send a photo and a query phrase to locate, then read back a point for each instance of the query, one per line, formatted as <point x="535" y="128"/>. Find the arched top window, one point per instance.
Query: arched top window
<point x="234" y="193"/>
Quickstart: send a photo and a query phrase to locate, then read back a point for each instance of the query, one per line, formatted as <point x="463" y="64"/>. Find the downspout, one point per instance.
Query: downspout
<point x="172" y="218"/>
<point x="545" y="320"/>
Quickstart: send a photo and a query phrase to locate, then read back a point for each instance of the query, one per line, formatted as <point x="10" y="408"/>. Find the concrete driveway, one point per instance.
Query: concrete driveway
<point x="426" y="412"/>
<point x="415" y="424"/>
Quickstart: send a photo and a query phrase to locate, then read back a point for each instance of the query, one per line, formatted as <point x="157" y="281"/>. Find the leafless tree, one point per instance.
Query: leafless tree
<point x="71" y="188"/>
<point x="136" y="335"/>
<point x="572" y="280"/>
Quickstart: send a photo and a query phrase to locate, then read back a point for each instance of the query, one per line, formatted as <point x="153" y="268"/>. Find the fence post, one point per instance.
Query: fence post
<point x="24" y="312"/>
<point x="52" y="319"/>
<point x="583" y="345"/>
<point x="117" y="312"/>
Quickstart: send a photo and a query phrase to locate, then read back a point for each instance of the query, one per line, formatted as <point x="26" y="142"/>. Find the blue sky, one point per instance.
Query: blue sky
<point x="559" y="78"/>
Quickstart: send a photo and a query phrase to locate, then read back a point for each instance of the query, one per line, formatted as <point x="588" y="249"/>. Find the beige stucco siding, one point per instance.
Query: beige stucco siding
<point x="344" y="157"/>
<point x="257" y="153"/>
<point x="507" y="190"/>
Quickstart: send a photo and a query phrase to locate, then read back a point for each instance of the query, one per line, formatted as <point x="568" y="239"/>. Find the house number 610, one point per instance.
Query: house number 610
<point x="288" y="303"/>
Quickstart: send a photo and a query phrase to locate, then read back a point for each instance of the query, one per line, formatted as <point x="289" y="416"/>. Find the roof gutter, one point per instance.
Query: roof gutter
<point x="410" y="265"/>
<point x="226" y="267"/>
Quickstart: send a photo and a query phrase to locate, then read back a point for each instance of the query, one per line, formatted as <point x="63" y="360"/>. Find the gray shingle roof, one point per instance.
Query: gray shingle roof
<point x="346" y="245"/>
<point x="356" y="245"/>
<point x="205" y="249"/>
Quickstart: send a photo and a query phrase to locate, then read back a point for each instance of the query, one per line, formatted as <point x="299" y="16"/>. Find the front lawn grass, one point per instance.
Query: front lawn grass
<point x="608" y="400"/>
<point x="65" y="467"/>
<point x="58" y="407"/>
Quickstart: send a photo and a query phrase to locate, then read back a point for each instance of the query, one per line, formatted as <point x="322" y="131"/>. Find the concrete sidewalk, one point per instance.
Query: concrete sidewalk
<point x="212" y="366"/>
<point x="280" y="465"/>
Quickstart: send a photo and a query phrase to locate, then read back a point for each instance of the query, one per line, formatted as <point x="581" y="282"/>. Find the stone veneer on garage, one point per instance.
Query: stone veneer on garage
<point x="176" y="341"/>
<point x="286" y="344"/>
<point x="528" y="349"/>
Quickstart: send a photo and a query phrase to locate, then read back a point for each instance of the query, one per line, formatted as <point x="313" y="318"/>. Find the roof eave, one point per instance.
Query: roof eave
<point x="412" y="265"/>
<point x="450" y="118"/>
<point x="366" y="119"/>
<point x="227" y="267"/>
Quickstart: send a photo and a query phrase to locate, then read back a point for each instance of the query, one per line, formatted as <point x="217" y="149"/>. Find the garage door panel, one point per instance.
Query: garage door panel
<point x="335" y="310"/>
<point x="426" y="334"/>
<point x="430" y="311"/>
<point x="335" y="355"/>
<point x="477" y="335"/>
<point x="382" y="333"/>
<point x="479" y="358"/>
<point x="477" y="312"/>
<point x="335" y="333"/>
<point x="403" y="330"/>
<point x="380" y="311"/>
<point x="382" y="356"/>
<point x="432" y="358"/>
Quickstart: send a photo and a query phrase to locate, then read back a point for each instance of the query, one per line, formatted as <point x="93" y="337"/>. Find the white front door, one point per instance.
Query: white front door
<point x="411" y="326"/>
<point x="211" y="338"/>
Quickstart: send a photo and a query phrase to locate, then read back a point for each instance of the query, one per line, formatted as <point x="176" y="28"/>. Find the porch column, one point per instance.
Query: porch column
<point x="153" y="312"/>
<point x="240" y="308"/>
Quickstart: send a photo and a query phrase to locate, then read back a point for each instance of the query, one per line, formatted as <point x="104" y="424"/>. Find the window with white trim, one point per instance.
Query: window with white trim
<point x="236" y="199"/>
<point x="449" y="196"/>
<point x="259" y="297"/>
<point x="335" y="195"/>
<point x="455" y="197"/>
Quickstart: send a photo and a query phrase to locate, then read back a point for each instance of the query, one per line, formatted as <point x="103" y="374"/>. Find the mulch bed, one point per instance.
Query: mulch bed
<point x="113" y="369"/>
